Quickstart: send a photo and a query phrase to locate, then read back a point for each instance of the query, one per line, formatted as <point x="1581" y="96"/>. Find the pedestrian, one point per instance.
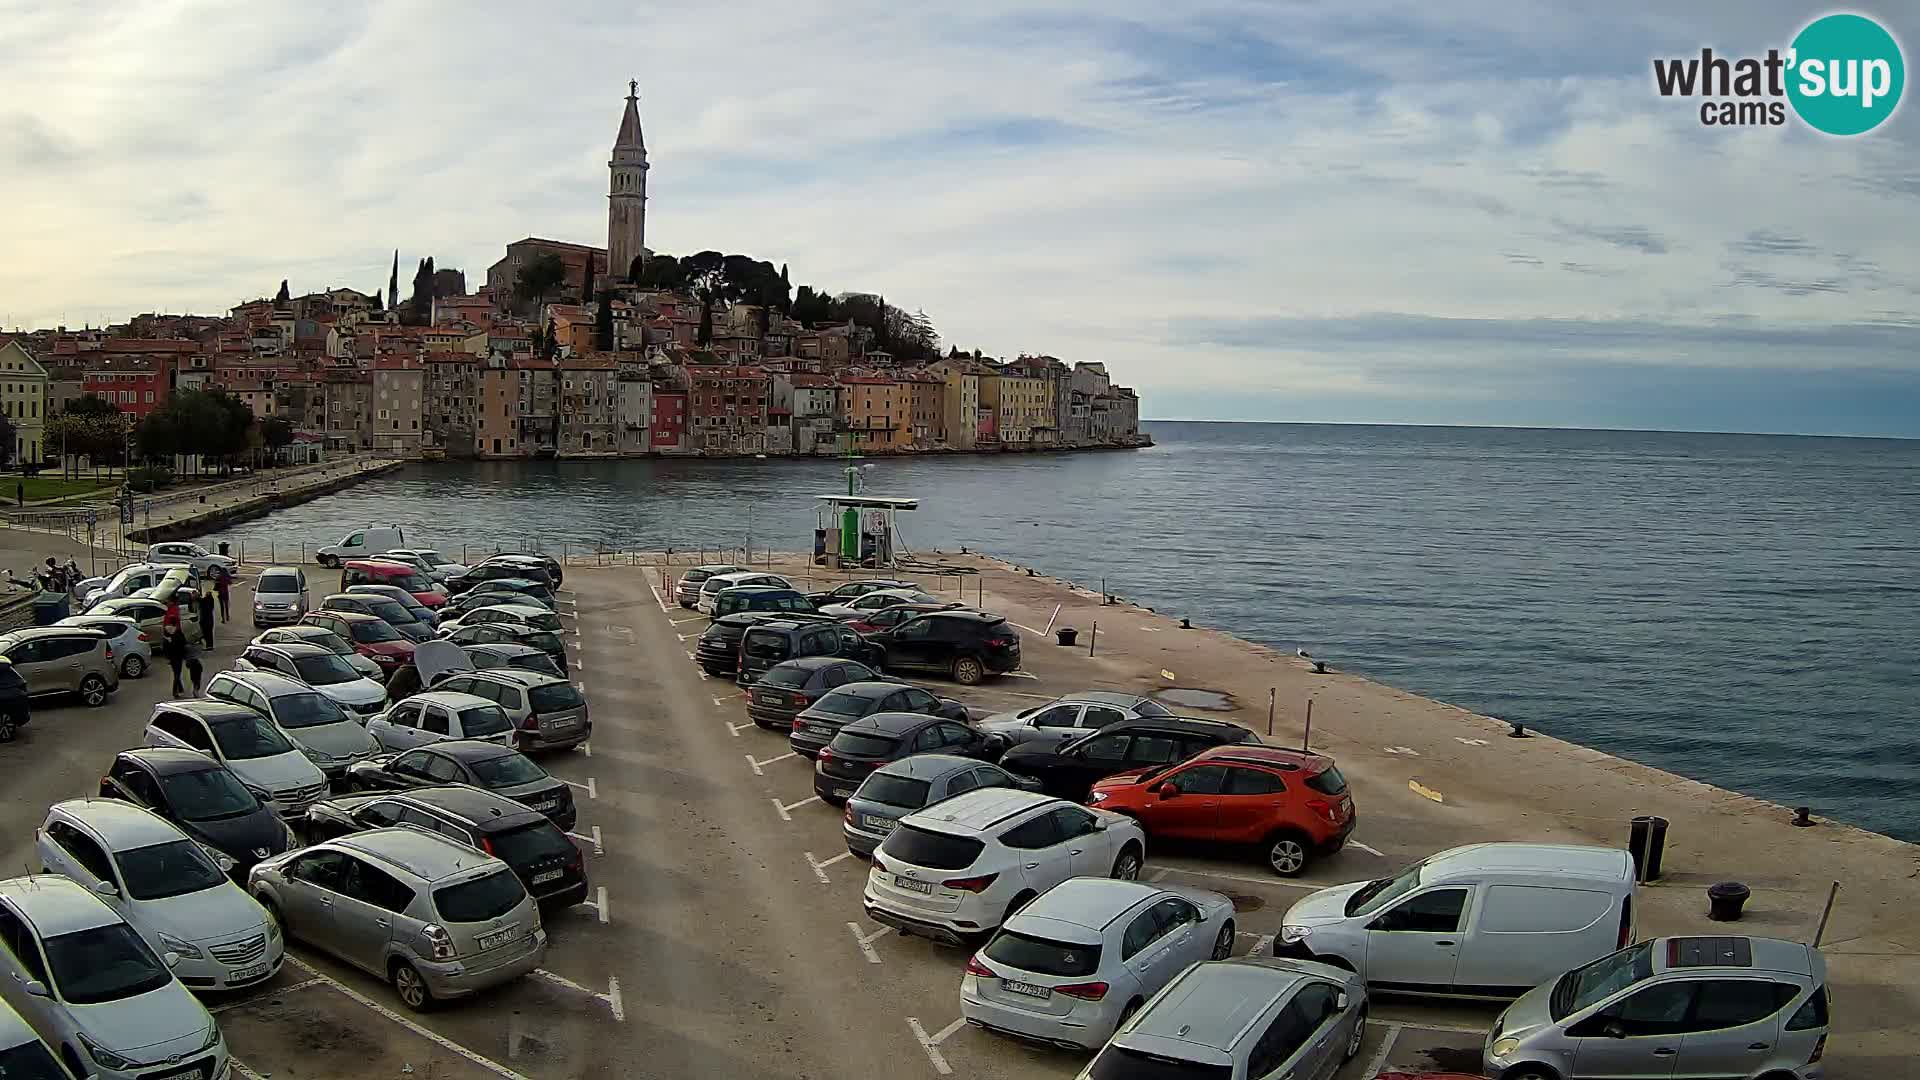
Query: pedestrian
<point x="171" y="620"/>
<point x="196" y="672"/>
<point x="206" y="619"/>
<point x="173" y="645"/>
<point x="222" y="581"/>
<point x="20" y="492"/>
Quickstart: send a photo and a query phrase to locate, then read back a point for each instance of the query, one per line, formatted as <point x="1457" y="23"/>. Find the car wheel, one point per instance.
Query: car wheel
<point x="1126" y="1014"/>
<point x="411" y="987"/>
<point x="327" y="561"/>
<point x="968" y="671"/>
<point x="7" y="729"/>
<point x="72" y="1061"/>
<point x="134" y="666"/>
<point x="1286" y="853"/>
<point x="1359" y="1034"/>
<point x="1529" y="1071"/>
<point x="1223" y="945"/>
<point x="1126" y="865"/>
<point x="93" y="691"/>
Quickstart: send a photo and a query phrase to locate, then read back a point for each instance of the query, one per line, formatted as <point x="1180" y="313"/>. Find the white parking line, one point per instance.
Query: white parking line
<point x="722" y="701"/>
<point x="931" y="1044"/>
<point x="1020" y="675"/>
<point x="865" y="941"/>
<point x="734" y="729"/>
<point x="1309" y="886"/>
<point x="242" y="1071"/>
<point x="1386" y="1047"/>
<point x="820" y="868"/>
<point x="684" y="637"/>
<point x="611" y="997"/>
<point x="1420" y="1025"/>
<point x="592" y="791"/>
<point x="756" y="764"/>
<point x="598" y="847"/>
<point x="658" y="600"/>
<point x="426" y="1033"/>
<point x="785" y="810"/>
<point x="614" y="1000"/>
<point x="1262" y="945"/>
<point x="598" y="903"/>
<point x="257" y="998"/>
<point x="1369" y="850"/>
<point x="615" y="628"/>
<point x="585" y="747"/>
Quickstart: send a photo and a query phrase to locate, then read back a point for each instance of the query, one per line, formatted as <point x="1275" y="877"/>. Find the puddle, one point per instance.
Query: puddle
<point x="1454" y="1059"/>
<point x="1191" y="698"/>
<point x="1244" y="903"/>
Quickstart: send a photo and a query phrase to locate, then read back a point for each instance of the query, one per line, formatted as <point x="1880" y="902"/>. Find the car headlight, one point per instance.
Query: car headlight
<point x="273" y="928"/>
<point x="1295" y="934"/>
<point x="213" y="1036"/>
<point x="104" y="1057"/>
<point x="318" y="757"/>
<point x="185" y="948"/>
<point x="1503" y="1047"/>
<point x="220" y="858"/>
<point x="259" y="793"/>
<point x="1098" y="797"/>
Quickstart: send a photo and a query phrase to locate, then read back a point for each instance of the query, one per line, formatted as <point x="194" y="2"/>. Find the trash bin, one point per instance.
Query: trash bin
<point x="50" y="608"/>
<point x="223" y="547"/>
<point x="1067" y="634"/>
<point x="1725" y="900"/>
<point x="1647" y="840"/>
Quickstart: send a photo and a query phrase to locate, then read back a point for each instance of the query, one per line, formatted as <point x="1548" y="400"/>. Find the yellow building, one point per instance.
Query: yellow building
<point x="879" y="412"/>
<point x="958" y="423"/>
<point x="23" y="397"/>
<point x="1022" y="406"/>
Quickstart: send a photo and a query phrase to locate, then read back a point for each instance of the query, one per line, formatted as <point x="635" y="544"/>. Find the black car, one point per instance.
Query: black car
<point x="515" y="591"/>
<point x="817" y="724"/>
<point x="499" y="769"/>
<point x="718" y="650"/>
<point x="865" y="744"/>
<point x="967" y="645"/>
<point x="777" y="640"/>
<point x="545" y="861"/>
<point x="513" y="634"/>
<point x="203" y="799"/>
<point x="787" y="688"/>
<point x="1068" y="770"/>
<point x="527" y="560"/>
<point x="496" y="571"/>
<point x="14" y="713"/>
<point x="853" y="590"/>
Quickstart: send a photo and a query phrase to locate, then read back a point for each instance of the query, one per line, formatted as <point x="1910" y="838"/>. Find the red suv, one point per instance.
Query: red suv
<point x="1289" y="804"/>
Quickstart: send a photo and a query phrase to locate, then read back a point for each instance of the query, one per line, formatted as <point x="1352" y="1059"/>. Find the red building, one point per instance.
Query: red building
<point x="135" y="384"/>
<point x="729" y="408"/>
<point x="668" y="422"/>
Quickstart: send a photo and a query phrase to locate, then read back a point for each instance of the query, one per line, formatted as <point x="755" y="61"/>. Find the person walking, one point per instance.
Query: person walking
<point x="206" y="619"/>
<point x="171" y="620"/>
<point x="222" y="583"/>
<point x="173" y="645"/>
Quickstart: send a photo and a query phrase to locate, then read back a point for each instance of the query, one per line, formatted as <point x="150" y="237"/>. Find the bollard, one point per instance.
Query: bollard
<point x="1725" y="900"/>
<point x="1068" y="635"/>
<point x="1803" y="817"/>
<point x="1518" y="730"/>
<point x="1186" y="624"/>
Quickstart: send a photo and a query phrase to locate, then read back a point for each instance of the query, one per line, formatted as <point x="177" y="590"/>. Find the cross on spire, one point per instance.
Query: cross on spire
<point x="633" y="89"/>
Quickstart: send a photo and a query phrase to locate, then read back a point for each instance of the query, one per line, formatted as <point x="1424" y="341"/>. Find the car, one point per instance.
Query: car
<point x="510" y="654"/>
<point x="321" y="669"/>
<point x="436" y="565"/>
<point x="360" y="544"/>
<point x="547" y="711"/>
<point x="1289" y="806"/>
<point x="420" y="612"/>
<point x="63" y="660"/>
<point x="306" y="634"/>
<point x="395" y="613"/>
<point x="962" y="644"/>
<point x="130" y="644"/>
<point x="370" y="635"/>
<point x="711" y="588"/>
<point x="530" y="560"/>
<point x="1086" y="954"/>
<point x="438" y="716"/>
<point x="479" y="597"/>
<point x="529" y="615"/>
<point x="761" y="598"/>
<point x="203" y="799"/>
<point x="499" y="769"/>
<point x="512" y="634"/>
<point x="1242" y="1019"/>
<point x="92" y="987"/>
<point x="330" y="737"/>
<point x="956" y="870"/>
<point x="717" y="650"/>
<point x="518" y="591"/>
<point x="687" y="590"/>
<point x="497" y="571"/>
<point x="177" y="584"/>
<point x="280" y="596"/>
<point x="1070" y="770"/>
<point x="243" y="740"/>
<point x="183" y="553"/>
<point x="166" y="886"/>
<point x="877" y="600"/>
<point x="848" y="591"/>
<point x="788" y="688"/>
<point x="900" y="787"/>
<point x="775" y="641"/>
<point x="871" y="622"/>
<point x="127" y="581"/>
<point x="863" y="745"/>
<point x="24" y="1054"/>
<point x="816" y="725"/>
<point x="436" y="918"/>
<point x="149" y="614"/>
<point x="1732" y="1006"/>
<point x="546" y="862"/>
<point x="414" y="582"/>
<point x="1072" y="716"/>
<point x="14" y="697"/>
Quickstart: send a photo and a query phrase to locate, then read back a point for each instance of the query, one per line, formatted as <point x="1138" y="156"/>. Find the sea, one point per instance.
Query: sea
<point x="1741" y="609"/>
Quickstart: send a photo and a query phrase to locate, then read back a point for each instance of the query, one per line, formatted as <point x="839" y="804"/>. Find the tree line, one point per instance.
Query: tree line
<point x="212" y="425"/>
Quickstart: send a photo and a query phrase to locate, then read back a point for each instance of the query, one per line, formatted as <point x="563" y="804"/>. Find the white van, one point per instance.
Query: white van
<point x="1486" y="920"/>
<point x="361" y="544"/>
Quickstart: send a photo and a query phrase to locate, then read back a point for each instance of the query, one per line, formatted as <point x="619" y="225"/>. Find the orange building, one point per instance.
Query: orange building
<point x="879" y="412"/>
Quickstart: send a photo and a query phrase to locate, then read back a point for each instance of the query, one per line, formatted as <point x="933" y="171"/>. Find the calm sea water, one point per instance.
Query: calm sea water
<point x="1741" y="609"/>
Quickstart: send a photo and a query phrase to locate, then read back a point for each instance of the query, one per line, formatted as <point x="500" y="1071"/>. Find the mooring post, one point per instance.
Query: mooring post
<point x="1821" y="931"/>
<point x="1092" y="635"/>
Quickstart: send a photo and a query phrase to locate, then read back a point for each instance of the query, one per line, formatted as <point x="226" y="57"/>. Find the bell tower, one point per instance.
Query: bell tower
<point x="627" y="191"/>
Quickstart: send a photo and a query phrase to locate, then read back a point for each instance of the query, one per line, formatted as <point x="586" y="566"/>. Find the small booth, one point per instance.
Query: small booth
<point x="857" y="530"/>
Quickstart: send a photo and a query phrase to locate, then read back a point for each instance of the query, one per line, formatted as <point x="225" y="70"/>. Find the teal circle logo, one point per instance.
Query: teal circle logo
<point x="1847" y="74"/>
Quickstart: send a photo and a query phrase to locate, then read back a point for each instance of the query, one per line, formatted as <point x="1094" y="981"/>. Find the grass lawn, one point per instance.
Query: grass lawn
<point x="52" y="486"/>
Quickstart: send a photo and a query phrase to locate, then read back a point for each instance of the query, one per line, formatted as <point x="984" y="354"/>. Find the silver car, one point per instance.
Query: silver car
<point x="1685" y="1006"/>
<point x="1072" y="716"/>
<point x="898" y="788"/>
<point x="438" y="716"/>
<point x="319" y="667"/>
<point x="314" y="722"/>
<point x="687" y="591"/>
<point x="280" y="596"/>
<point x="1244" y="1019"/>
<point x="63" y="660"/>
<point x="436" y="918"/>
<point x="131" y="645"/>
<point x="326" y="639"/>
<point x="183" y="553"/>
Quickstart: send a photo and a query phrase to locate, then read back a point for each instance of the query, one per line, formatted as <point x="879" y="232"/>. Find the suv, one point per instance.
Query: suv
<point x="957" y="869"/>
<point x="761" y="598"/>
<point x="1240" y="1020"/>
<point x="320" y="668"/>
<point x="131" y="646"/>
<point x="510" y="654"/>
<point x="436" y="918"/>
<point x="203" y="799"/>
<point x="279" y="596"/>
<point x="711" y="588"/>
<point x="718" y="649"/>
<point x="790" y="687"/>
<point x="765" y="644"/>
<point x="243" y="740"/>
<point x="313" y="721"/>
<point x="968" y="645"/>
<point x="512" y="634"/>
<point x="872" y="741"/>
<point x="1289" y="805"/>
<point x="436" y="717"/>
<point x="394" y="612"/>
<point x="540" y="854"/>
<point x="1069" y="770"/>
<point x="408" y="579"/>
<point x="370" y="635"/>
<point x="496" y="768"/>
<point x="1693" y="1006"/>
<point x="687" y="590"/>
<point x="490" y="570"/>
<point x="816" y="726"/>
<point x="547" y="711"/>
<point x="63" y="660"/>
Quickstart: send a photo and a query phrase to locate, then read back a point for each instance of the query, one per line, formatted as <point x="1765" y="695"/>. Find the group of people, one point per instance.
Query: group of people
<point x="175" y="645"/>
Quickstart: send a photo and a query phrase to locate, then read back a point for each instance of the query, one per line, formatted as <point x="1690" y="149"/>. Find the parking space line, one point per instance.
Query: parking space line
<point x="241" y="1070"/>
<point x="659" y="600"/>
<point x="593" y="791"/>
<point x="615" y="628"/>
<point x="614" y="1000"/>
<point x="684" y="637"/>
<point x="1379" y="1059"/>
<point x="598" y="847"/>
<point x="865" y="941"/>
<point x="1421" y="1025"/>
<point x="598" y="904"/>
<point x="756" y="764"/>
<point x="585" y="747"/>
<point x="1028" y="629"/>
<point x="932" y="1044"/>
<point x="1369" y="850"/>
<point x="426" y="1033"/>
<point x="734" y="729"/>
<point x="257" y="998"/>
<point x="820" y="868"/>
<point x="721" y="701"/>
<point x="1262" y="945"/>
<point x="785" y="810"/>
<point x="1309" y="886"/>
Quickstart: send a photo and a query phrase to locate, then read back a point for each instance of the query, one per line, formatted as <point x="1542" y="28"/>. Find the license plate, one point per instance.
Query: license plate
<point x="1029" y="989"/>
<point x="768" y="699"/>
<point x="494" y="941"/>
<point x="250" y="973"/>
<point x="913" y="886"/>
<point x="550" y="875"/>
<point x="842" y="793"/>
<point x="547" y="804"/>
<point x="879" y="824"/>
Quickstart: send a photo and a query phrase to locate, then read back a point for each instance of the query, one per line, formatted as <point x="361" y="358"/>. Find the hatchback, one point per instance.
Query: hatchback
<point x="547" y="863"/>
<point x="63" y="660"/>
<point x="184" y="553"/>
<point x="370" y="635"/>
<point x="958" y="869"/>
<point x="437" y="565"/>
<point x="717" y="650"/>
<point x="687" y="590"/>
<point x="547" y="711"/>
<point x="166" y="886"/>
<point x="784" y="690"/>
<point x="965" y="645"/>
<point x="510" y="634"/>
<point x="1681" y="1006"/>
<point x="1242" y="1019"/>
<point x="436" y="918"/>
<point x="761" y="598"/>
<point x="395" y="613"/>
<point x="848" y="591"/>
<point x="518" y="590"/>
<point x="149" y="613"/>
<point x="544" y="568"/>
<point x="1070" y="717"/>
<point x="816" y="725"/>
<point x="315" y="723"/>
<point x="437" y="716"/>
<point x="496" y="768"/>
<point x="532" y="615"/>
<point x="711" y="588"/>
<point x="1088" y="953"/>
<point x="865" y="744"/>
<point x="1070" y="770"/>
<point x="279" y="596"/>
<point x="244" y="740"/>
<point x="203" y="799"/>
<point x="776" y="641"/>
<point x="411" y="580"/>
<point x="887" y="618"/>
<point x="421" y="612"/>
<point x="491" y="570"/>
<point x="92" y="987"/>
<point x="898" y="788"/>
<point x="129" y="642"/>
<point x="321" y="669"/>
<point x="304" y="634"/>
<point x="510" y="654"/>
<point x="878" y="600"/>
<point x="1289" y="806"/>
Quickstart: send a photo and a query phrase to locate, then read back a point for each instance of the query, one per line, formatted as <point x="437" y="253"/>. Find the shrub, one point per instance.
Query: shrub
<point x="148" y="478"/>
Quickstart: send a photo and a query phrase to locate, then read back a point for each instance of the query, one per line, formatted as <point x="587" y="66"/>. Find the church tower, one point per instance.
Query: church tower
<point x="627" y="192"/>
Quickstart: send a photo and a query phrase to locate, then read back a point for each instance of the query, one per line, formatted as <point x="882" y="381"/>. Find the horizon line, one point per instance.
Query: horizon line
<point x="1537" y="427"/>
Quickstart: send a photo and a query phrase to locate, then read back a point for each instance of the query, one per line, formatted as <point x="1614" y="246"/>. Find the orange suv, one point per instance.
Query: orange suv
<point x="1290" y="805"/>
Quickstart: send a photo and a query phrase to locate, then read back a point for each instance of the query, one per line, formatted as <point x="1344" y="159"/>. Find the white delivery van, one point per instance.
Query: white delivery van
<point x="361" y="544"/>
<point x="1486" y="920"/>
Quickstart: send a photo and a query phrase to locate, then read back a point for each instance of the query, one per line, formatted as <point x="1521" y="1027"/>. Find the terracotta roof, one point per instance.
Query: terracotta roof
<point x="725" y="371"/>
<point x="805" y="380"/>
<point x="557" y="245"/>
<point x="589" y="362"/>
<point x="148" y="345"/>
<point x="444" y="357"/>
<point x="396" y="362"/>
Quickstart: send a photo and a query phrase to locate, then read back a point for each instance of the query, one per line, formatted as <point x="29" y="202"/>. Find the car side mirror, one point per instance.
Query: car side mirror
<point x="1167" y="790"/>
<point x="36" y="988"/>
<point x="107" y="888"/>
<point x="172" y="959"/>
<point x="1341" y="1001"/>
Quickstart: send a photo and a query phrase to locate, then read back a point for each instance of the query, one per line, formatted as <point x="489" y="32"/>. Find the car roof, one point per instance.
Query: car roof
<point x="979" y="810"/>
<point x="756" y="590"/>
<point x="452" y="699"/>
<point x="808" y="663"/>
<point x="519" y="675"/>
<point x="927" y="766"/>
<point x="29" y="633"/>
<point x="711" y="569"/>
<point x="427" y="854"/>
<point x="468" y="802"/>
<point x="1274" y="757"/>
<point x="503" y="648"/>
<point x="272" y="683"/>
<point x="168" y="760"/>
<point x="986" y="618"/>
<point x="122" y="825"/>
<point x="496" y="584"/>
<point x="379" y="564"/>
<point x="741" y="574"/>
<point x="893" y="723"/>
<point x="1216" y="1003"/>
<point x="1572" y="860"/>
<point x="1735" y="951"/>
<point x="1087" y="903"/>
<point x="299" y="630"/>
<point x="1106" y="697"/>
<point x="208" y="708"/>
<point x="469" y="749"/>
<point x="531" y="609"/>
<point x="292" y="649"/>
<point x="869" y="689"/>
<point x="350" y="616"/>
<point x="288" y="571"/>
<point x="57" y="905"/>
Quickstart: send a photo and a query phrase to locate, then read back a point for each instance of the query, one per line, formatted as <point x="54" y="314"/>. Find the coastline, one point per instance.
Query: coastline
<point x="1143" y="442"/>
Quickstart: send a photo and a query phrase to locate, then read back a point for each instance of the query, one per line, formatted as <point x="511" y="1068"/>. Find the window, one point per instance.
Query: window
<point x="928" y="739"/>
<point x="1252" y="782"/>
<point x="435" y="721"/>
<point x="1110" y="749"/>
<point x="1037" y="833"/>
<point x="1099" y="716"/>
<point x="380" y="814"/>
<point x="186" y="730"/>
<point x="1143" y="931"/>
<point x="1812" y="1012"/>
<point x="1725" y="1003"/>
<point x="1153" y="750"/>
<point x="324" y="869"/>
<point x="406" y="715"/>
<point x="82" y="848"/>
<point x="1282" y="1039"/>
<point x="1200" y="779"/>
<point x="1660" y="1009"/>
<point x="1434" y="912"/>
<point x="372" y="885"/>
<point x="414" y="765"/>
<point x="1073" y="821"/>
<point x="1058" y="716"/>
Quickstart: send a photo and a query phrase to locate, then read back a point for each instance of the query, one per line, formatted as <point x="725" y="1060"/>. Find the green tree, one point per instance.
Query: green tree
<point x="276" y="433"/>
<point x="540" y="277"/>
<point x="92" y="405"/>
<point x="281" y="298"/>
<point x="6" y="441"/>
<point x="603" y="323"/>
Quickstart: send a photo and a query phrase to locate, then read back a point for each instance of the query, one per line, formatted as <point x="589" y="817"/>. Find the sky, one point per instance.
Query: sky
<point x="1364" y="211"/>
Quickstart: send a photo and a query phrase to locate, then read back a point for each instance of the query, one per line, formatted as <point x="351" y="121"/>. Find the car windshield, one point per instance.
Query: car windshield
<point x="1121" y="1063"/>
<point x="933" y="850"/>
<point x="481" y="899"/>
<point x="324" y="670"/>
<point x="175" y="868"/>
<point x="555" y="697"/>
<point x="369" y="632"/>
<point x="106" y="963"/>
<point x="391" y="610"/>
<point x="844" y="704"/>
<point x="433" y="558"/>
<point x="1151" y="708"/>
<point x="902" y="791"/>
<point x="1375" y="895"/>
<point x="861" y="744"/>
<point x="545" y="620"/>
<point x="531" y="844"/>
<point x="765" y="645"/>
<point x="535" y="661"/>
<point x="545" y="640"/>
<point x="483" y="720"/>
<point x="1584" y="986"/>
<point x="307" y="709"/>
<point x="1328" y="781"/>
<point x="30" y="1061"/>
<point x="415" y="582"/>
<point x="243" y="737"/>
<point x="506" y="771"/>
<point x="207" y="795"/>
<point x="325" y="639"/>
<point x="784" y="677"/>
<point x="277" y="583"/>
<point x="1043" y="957"/>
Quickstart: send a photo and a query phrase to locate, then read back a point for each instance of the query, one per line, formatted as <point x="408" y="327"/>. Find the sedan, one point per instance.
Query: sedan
<point x="897" y="789"/>
<point x="302" y="633"/>
<point x="181" y="553"/>
<point x="1070" y="717"/>
<point x="132" y="647"/>
<point x="1071" y="965"/>
<point x="872" y="741"/>
<point x="790" y="687"/>
<point x="1070" y="770"/>
<point x="687" y="590"/>
<point x="848" y="591"/>
<point x="148" y="614"/>
<point x="499" y="769"/>
<point x="526" y="590"/>
<point x="876" y="600"/>
<point x="529" y="615"/>
<point x="392" y="612"/>
<point x="817" y="724"/>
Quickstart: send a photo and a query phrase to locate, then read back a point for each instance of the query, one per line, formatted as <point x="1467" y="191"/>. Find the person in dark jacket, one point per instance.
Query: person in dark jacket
<point x="222" y="581"/>
<point x="173" y="645"/>
<point x="206" y="619"/>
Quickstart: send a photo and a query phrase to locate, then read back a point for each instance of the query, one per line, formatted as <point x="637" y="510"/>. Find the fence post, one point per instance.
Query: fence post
<point x="1093" y="635"/>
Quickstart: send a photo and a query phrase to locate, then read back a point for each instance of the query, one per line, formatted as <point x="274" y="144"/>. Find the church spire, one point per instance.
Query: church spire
<point x="627" y="194"/>
<point x="630" y="137"/>
<point x="393" y="283"/>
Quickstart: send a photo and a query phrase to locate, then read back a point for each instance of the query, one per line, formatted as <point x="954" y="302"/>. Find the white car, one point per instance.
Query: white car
<point x="95" y="990"/>
<point x="167" y="887"/>
<point x="532" y="615"/>
<point x="437" y="716"/>
<point x="318" y="667"/>
<point x="23" y="1052"/>
<point x="131" y="645"/>
<point x="330" y="737"/>
<point x="877" y="600"/>
<point x="303" y="633"/>
<point x="182" y="553"/>
<point x="246" y="742"/>
<point x="427" y="561"/>
<point x="958" y="869"/>
<point x="128" y="581"/>
<point x="1090" y="951"/>
<point x="711" y="588"/>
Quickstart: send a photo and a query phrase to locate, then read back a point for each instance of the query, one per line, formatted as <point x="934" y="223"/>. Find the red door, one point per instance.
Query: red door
<point x="1250" y="802"/>
<point x="1193" y="813"/>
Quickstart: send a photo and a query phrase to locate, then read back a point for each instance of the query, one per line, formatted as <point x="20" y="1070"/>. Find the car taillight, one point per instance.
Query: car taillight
<point x="1000" y="643"/>
<point x="143" y="635"/>
<point x="975" y="967"/>
<point x="970" y="884"/>
<point x="1819" y="1050"/>
<point x="826" y="754"/>
<point x="1324" y="808"/>
<point x="486" y="845"/>
<point x="532" y="722"/>
<point x="799" y="699"/>
<point x="847" y="815"/>
<point x="438" y="940"/>
<point x="109" y="652"/>
<point x="1090" y="991"/>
